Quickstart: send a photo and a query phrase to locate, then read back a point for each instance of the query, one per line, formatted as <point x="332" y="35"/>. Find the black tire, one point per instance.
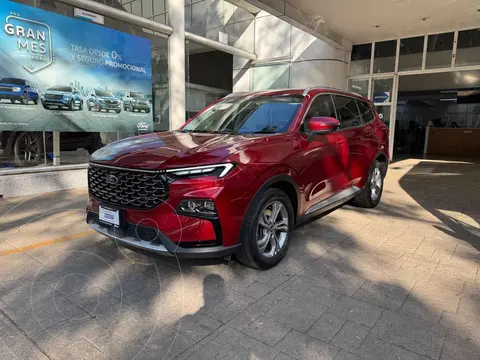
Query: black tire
<point x="25" y="100"/>
<point x="118" y="111"/>
<point x="249" y="254"/>
<point x="147" y="111"/>
<point x="46" y="107"/>
<point x="12" y="101"/>
<point x="35" y="101"/>
<point x="98" y="108"/>
<point x="71" y="106"/>
<point x="131" y="108"/>
<point x="88" y="107"/>
<point x="23" y="143"/>
<point x="80" y="107"/>
<point x="124" y="107"/>
<point x="366" y="198"/>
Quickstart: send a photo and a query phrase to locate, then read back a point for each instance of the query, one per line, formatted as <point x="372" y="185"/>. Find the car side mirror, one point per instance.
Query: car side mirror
<point x="320" y="125"/>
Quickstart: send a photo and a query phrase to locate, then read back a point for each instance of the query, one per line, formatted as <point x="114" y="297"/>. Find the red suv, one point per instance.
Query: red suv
<point x="240" y="175"/>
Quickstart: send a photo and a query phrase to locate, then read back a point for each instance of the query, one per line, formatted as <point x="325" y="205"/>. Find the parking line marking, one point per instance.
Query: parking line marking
<point x="48" y="242"/>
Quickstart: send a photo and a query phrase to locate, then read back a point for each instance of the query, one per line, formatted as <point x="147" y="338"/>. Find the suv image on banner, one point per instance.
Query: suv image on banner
<point x="135" y="101"/>
<point x="62" y="97"/>
<point x="15" y="89"/>
<point x="240" y="175"/>
<point x="103" y="100"/>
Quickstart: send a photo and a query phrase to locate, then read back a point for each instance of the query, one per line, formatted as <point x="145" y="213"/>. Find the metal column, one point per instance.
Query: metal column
<point x="56" y="148"/>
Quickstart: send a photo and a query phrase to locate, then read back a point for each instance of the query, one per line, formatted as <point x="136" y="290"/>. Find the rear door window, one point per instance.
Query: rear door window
<point x="365" y="111"/>
<point x="347" y="112"/>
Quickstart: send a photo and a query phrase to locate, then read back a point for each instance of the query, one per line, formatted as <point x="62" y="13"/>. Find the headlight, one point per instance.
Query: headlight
<point x="205" y="207"/>
<point x="17" y="89"/>
<point x="101" y="100"/>
<point x="220" y="170"/>
<point x="66" y="96"/>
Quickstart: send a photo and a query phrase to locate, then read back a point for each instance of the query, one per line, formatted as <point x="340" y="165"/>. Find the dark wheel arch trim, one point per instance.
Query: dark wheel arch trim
<point x="280" y="178"/>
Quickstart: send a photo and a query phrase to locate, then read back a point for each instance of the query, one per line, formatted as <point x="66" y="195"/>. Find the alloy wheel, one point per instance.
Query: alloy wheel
<point x="28" y="147"/>
<point x="25" y="99"/>
<point x="376" y="184"/>
<point x="272" y="229"/>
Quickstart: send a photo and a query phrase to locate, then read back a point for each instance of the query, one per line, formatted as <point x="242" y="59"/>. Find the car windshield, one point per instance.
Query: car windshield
<point x="137" y="95"/>
<point x="12" y="81"/>
<point x="103" y="93"/>
<point x="248" y="115"/>
<point x="61" y="88"/>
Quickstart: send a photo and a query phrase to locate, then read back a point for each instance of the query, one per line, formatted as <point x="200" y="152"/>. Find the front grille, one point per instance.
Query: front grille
<point x="112" y="102"/>
<point x="127" y="188"/>
<point x="6" y="89"/>
<point x="53" y="96"/>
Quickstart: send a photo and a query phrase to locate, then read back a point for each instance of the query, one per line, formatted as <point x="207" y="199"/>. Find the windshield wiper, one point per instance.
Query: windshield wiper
<point x="264" y="132"/>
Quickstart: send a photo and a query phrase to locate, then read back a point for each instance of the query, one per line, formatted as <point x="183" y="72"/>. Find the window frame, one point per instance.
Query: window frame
<point x="358" y="110"/>
<point x="369" y="106"/>
<point x="310" y="105"/>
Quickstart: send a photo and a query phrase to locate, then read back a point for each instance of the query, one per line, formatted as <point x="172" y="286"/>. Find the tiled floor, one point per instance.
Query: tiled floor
<point x="397" y="282"/>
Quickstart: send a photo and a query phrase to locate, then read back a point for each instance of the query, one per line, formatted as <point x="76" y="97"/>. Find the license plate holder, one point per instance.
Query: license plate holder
<point x="110" y="216"/>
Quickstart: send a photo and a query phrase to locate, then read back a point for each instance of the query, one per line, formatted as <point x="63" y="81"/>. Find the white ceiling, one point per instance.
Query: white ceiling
<point x="357" y="19"/>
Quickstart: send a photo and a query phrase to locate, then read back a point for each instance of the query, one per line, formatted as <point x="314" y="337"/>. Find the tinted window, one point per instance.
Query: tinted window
<point x="61" y="88"/>
<point x="322" y="105"/>
<point x="103" y="93"/>
<point x="12" y="81"/>
<point x="347" y="112"/>
<point x="365" y="111"/>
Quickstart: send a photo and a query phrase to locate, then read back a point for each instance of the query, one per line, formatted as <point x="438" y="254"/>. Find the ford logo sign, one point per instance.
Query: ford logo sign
<point x="111" y="179"/>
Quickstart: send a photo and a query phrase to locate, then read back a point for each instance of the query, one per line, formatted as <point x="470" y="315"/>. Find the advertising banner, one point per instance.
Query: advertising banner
<point x="64" y="74"/>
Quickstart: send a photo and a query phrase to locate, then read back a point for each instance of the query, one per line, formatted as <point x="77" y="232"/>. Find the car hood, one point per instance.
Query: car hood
<point x="107" y="98"/>
<point x="170" y="149"/>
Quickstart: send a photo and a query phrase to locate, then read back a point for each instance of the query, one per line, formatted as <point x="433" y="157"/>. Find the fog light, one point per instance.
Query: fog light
<point x="206" y="207"/>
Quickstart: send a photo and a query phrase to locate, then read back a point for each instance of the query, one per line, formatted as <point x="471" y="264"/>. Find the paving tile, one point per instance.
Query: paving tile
<point x="266" y="330"/>
<point x="275" y="296"/>
<point x="283" y="356"/>
<point x="258" y="290"/>
<point x="233" y="309"/>
<point x="436" y="296"/>
<point x="459" y="350"/>
<point x="304" y="347"/>
<point x="356" y="311"/>
<point x="326" y="327"/>
<point x="375" y="348"/>
<point x="419" y="310"/>
<point x="378" y="299"/>
<point x="342" y="283"/>
<point x="15" y="345"/>
<point x="345" y="355"/>
<point x="167" y="342"/>
<point x="197" y="326"/>
<point x="410" y="333"/>
<point x="350" y="336"/>
<point x="232" y="344"/>
<point x="249" y="315"/>
<point x="296" y="312"/>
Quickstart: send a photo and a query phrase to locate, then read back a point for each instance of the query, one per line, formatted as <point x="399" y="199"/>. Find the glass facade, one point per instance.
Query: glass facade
<point x="360" y="60"/>
<point x="382" y="90"/>
<point x="468" y="48"/>
<point x="439" y="50"/>
<point x="384" y="60"/>
<point x="359" y="86"/>
<point x="411" y="53"/>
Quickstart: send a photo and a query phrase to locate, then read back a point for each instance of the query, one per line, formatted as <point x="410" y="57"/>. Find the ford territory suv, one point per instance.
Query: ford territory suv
<point x="62" y="97"/>
<point x="240" y="175"/>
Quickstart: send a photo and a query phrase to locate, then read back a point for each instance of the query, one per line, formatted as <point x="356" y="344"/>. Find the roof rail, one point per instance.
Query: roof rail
<point x="307" y="90"/>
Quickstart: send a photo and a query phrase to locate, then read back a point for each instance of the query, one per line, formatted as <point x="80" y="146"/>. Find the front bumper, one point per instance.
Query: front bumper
<point x="141" y="106"/>
<point x="54" y="102"/>
<point x="153" y="240"/>
<point x="105" y="106"/>
<point x="10" y="95"/>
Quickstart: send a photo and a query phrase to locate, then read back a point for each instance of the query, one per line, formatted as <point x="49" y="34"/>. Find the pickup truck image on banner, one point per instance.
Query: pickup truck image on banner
<point x="63" y="74"/>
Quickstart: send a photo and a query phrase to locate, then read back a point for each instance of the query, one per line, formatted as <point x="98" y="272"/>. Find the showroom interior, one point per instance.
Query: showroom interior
<point x="420" y="77"/>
